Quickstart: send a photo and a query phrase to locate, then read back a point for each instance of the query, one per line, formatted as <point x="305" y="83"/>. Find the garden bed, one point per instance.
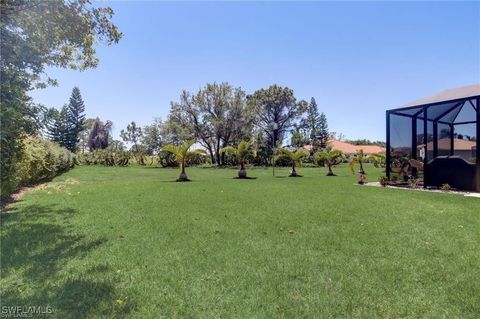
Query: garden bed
<point x="428" y="189"/>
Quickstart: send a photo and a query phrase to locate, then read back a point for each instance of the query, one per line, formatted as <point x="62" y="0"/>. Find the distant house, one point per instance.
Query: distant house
<point x="463" y="148"/>
<point x="350" y="149"/>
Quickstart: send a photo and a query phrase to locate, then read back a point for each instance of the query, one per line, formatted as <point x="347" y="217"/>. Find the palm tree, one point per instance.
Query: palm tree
<point x="294" y="156"/>
<point x="330" y="158"/>
<point x="242" y="153"/>
<point x="359" y="158"/>
<point x="181" y="154"/>
<point x="378" y="160"/>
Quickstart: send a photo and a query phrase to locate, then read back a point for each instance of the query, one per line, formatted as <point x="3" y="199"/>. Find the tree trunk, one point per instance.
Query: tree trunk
<point x="224" y="144"/>
<point x="361" y="171"/>
<point x="217" y="152"/>
<point x="293" y="173"/>
<point x="330" y="172"/>
<point x="183" y="176"/>
<point x="242" y="173"/>
<point x="210" y="151"/>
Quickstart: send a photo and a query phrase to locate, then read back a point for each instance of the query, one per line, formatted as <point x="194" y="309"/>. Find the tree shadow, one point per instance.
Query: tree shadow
<point x="36" y="245"/>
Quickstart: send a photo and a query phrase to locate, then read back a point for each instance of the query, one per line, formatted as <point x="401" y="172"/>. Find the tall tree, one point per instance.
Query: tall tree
<point x="132" y="134"/>
<point x="298" y="139"/>
<point x="85" y="133"/>
<point x="311" y="121"/>
<point x="217" y="116"/>
<point x="275" y="111"/>
<point x="152" y="138"/>
<point x="99" y="134"/>
<point x="59" y="126"/>
<point x="322" y="131"/>
<point x="315" y="126"/>
<point x="35" y="34"/>
<point x="76" y="119"/>
<point x="177" y="128"/>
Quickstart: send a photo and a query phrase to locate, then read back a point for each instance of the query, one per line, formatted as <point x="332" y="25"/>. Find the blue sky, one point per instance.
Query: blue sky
<point x="356" y="58"/>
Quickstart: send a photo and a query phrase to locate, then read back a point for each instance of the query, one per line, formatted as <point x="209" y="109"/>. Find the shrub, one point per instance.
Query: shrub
<point x="383" y="180"/>
<point x="41" y="160"/>
<point x="413" y="182"/>
<point x="446" y="187"/>
<point x="167" y="159"/>
<point x="110" y="156"/>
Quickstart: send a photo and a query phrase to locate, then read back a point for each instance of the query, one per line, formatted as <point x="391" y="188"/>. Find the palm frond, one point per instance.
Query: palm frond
<point x="301" y="153"/>
<point x="284" y="152"/>
<point x="171" y="148"/>
<point x="196" y="152"/>
<point x="186" y="146"/>
<point x="352" y="164"/>
<point x="229" y="150"/>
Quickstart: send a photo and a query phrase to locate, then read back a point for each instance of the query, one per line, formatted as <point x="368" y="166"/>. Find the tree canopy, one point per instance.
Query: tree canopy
<point x="216" y="115"/>
<point x="275" y="110"/>
<point x="36" y="34"/>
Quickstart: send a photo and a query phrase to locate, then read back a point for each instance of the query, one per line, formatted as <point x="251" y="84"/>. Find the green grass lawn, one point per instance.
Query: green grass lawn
<point x="102" y="242"/>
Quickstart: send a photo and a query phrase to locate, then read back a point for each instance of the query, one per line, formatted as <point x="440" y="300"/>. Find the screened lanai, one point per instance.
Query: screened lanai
<point x="434" y="140"/>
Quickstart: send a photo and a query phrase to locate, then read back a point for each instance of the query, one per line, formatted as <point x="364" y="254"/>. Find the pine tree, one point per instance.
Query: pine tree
<point x="322" y="130"/>
<point x="76" y="119"/>
<point x="311" y="122"/>
<point x="315" y="126"/>
<point x="58" y="127"/>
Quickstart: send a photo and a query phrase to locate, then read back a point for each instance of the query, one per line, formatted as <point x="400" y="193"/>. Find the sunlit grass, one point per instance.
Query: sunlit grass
<point x="110" y="242"/>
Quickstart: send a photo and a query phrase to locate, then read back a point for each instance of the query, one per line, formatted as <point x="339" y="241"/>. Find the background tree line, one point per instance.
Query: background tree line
<point x="221" y="115"/>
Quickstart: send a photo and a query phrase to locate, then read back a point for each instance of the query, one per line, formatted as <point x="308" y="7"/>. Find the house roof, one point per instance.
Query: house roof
<point x="459" y="145"/>
<point x="447" y="95"/>
<point x="349" y="148"/>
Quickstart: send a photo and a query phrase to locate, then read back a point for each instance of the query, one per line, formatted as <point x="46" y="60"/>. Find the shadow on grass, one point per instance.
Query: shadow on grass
<point x="248" y="177"/>
<point x="36" y="245"/>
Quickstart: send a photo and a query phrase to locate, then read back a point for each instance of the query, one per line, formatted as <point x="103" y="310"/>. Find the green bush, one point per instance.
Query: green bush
<point x="167" y="159"/>
<point x="41" y="160"/>
<point x="110" y="156"/>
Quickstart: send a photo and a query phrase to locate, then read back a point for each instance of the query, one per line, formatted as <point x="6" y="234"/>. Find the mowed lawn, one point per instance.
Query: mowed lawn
<point x="102" y="242"/>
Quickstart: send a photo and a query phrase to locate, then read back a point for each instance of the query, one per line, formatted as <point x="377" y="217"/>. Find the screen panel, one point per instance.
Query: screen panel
<point x="465" y="141"/>
<point x="444" y="142"/>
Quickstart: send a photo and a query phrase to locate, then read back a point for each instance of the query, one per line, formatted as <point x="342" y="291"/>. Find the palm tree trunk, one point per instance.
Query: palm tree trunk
<point x="242" y="173"/>
<point x="293" y="173"/>
<point x="330" y="172"/>
<point x="361" y="171"/>
<point x="183" y="176"/>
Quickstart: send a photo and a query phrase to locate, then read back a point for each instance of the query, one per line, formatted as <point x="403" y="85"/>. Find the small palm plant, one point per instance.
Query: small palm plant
<point x="331" y="158"/>
<point x="359" y="158"/>
<point x="295" y="157"/>
<point x="181" y="154"/>
<point x="242" y="153"/>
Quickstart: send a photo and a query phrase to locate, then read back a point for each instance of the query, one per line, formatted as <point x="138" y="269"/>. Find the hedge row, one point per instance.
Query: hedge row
<point x="41" y="160"/>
